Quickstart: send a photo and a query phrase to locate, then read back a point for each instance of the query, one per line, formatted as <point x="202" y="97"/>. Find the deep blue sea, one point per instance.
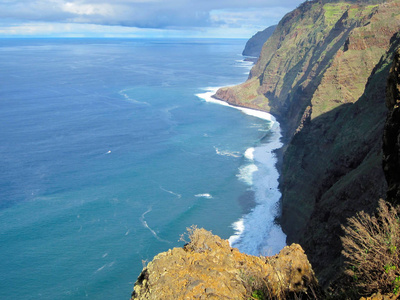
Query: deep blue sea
<point x="110" y="148"/>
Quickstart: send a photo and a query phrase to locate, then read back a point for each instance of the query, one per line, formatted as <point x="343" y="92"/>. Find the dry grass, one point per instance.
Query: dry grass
<point x="371" y="246"/>
<point x="260" y="288"/>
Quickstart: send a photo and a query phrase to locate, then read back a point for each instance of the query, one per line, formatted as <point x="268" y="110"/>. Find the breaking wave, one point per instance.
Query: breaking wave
<point x="257" y="233"/>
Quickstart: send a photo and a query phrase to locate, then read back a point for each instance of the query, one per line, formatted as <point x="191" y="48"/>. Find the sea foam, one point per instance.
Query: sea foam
<point x="124" y="93"/>
<point x="208" y="97"/>
<point x="206" y="195"/>
<point x="246" y="173"/>
<point x="249" y="154"/>
<point x="257" y="233"/>
<point x="144" y="223"/>
<point x="227" y="153"/>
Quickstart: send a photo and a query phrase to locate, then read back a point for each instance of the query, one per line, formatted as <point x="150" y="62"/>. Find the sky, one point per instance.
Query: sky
<point x="140" y="18"/>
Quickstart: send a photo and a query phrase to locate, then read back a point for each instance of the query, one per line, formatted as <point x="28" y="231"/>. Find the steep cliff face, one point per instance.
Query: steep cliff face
<point x="332" y="169"/>
<point x="254" y="44"/>
<point x="208" y="268"/>
<point x="337" y="158"/>
<point x="323" y="74"/>
<point x="336" y="43"/>
<point x="391" y="138"/>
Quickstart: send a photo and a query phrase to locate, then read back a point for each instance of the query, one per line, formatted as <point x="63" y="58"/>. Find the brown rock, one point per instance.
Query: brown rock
<point x="379" y="296"/>
<point x="208" y="268"/>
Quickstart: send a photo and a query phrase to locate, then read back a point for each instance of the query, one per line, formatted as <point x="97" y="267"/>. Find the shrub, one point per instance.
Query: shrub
<point x="371" y="247"/>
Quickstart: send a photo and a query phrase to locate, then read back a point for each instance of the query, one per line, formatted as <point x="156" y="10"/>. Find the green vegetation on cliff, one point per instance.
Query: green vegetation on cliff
<point x="333" y="168"/>
<point x="323" y="75"/>
<point x="307" y="43"/>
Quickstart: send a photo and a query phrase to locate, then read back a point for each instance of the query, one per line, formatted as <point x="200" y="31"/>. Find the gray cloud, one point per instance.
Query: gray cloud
<point x="141" y="13"/>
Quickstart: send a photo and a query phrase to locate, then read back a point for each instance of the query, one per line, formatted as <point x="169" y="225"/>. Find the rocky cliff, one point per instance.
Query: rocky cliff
<point x="321" y="49"/>
<point x="208" y="268"/>
<point x="333" y="169"/>
<point x="323" y="74"/>
<point x="254" y="44"/>
<point x="391" y="138"/>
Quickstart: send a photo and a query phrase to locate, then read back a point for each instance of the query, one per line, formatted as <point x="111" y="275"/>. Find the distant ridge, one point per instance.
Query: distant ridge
<point x="254" y="44"/>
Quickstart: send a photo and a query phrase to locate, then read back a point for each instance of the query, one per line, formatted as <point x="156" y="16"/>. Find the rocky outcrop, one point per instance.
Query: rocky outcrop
<point x="208" y="268"/>
<point x="254" y="44"/>
<point x="391" y="139"/>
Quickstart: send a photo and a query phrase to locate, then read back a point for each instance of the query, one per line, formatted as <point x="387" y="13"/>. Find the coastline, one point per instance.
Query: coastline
<point x="256" y="232"/>
<point x="210" y="97"/>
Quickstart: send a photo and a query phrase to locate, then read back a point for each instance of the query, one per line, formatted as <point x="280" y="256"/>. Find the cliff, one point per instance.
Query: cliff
<point x="208" y="268"/>
<point x="323" y="75"/>
<point x="254" y="44"/>
<point x="333" y="169"/>
<point x="333" y="43"/>
<point x="391" y="138"/>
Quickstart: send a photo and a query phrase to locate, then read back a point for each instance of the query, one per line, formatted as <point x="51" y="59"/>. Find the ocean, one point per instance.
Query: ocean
<point x="111" y="148"/>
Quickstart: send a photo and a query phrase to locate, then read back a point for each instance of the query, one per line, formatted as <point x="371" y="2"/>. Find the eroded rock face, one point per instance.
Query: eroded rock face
<point x="320" y="55"/>
<point x="332" y="169"/>
<point x="208" y="268"/>
<point x="323" y="75"/>
<point x="391" y="138"/>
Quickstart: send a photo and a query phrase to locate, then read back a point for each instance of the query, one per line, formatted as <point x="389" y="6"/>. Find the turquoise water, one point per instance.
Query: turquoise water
<point x="109" y="150"/>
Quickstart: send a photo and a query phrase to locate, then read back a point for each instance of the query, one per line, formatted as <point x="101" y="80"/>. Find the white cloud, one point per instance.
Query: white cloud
<point x="88" y="9"/>
<point x="189" y="15"/>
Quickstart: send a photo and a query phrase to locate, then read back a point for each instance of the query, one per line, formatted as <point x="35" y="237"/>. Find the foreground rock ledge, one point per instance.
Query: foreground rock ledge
<point x="208" y="268"/>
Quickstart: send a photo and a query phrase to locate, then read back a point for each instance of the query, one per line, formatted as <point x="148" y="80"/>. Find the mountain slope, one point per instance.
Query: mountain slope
<point x="323" y="74"/>
<point x="302" y="49"/>
<point x="333" y="169"/>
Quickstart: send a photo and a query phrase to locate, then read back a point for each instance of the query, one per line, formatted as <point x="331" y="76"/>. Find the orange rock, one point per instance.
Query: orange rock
<point x="208" y="268"/>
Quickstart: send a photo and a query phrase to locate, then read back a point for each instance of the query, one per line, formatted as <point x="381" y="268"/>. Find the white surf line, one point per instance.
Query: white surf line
<point x="148" y="227"/>
<point x="249" y="236"/>
<point x="208" y="97"/>
<point x="171" y="192"/>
